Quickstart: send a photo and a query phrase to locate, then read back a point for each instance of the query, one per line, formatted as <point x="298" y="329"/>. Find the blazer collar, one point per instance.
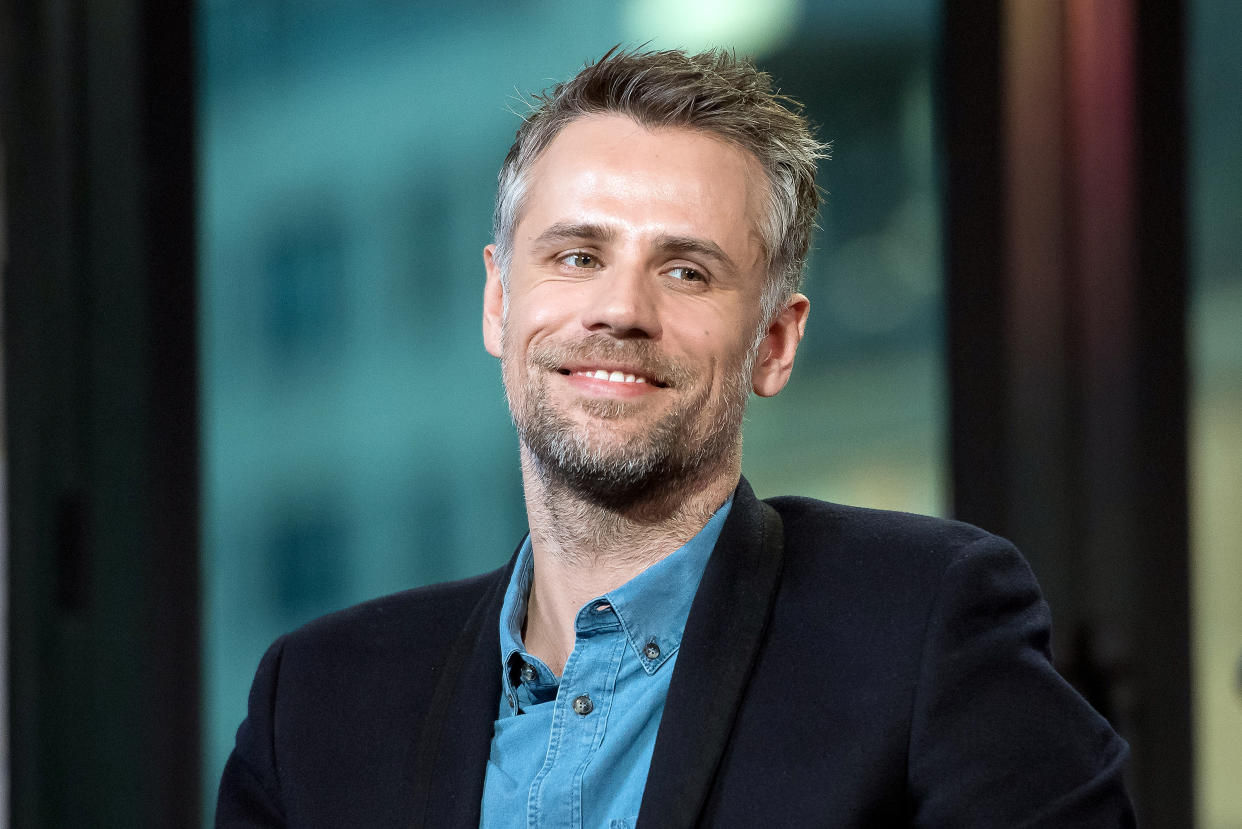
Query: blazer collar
<point x="450" y="756"/>
<point x="719" y="650"/>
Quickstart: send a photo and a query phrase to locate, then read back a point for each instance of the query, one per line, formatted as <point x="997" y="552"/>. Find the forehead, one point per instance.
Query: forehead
<point x="611" y="169"/>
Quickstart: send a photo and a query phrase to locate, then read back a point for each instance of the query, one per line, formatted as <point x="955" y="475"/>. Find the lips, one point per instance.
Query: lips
<point x="631" y="374"/>
<point x="603" y="358"/>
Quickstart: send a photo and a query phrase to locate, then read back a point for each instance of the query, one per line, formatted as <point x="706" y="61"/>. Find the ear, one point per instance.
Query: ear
<point x="493" y="303"/>
<point x="775" y="359"/>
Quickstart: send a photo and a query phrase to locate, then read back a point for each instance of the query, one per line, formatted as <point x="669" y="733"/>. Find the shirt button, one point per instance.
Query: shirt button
<point x="583" y="705"/>
<point x="652" y="651"/>
<point x="528" y="672"/>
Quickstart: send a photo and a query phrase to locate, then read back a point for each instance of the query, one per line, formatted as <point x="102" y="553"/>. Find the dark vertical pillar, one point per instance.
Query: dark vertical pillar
<point x="1159" y="396"/>
<point x="970" y="115"/>
<point x="1067" y="283"/>
<point x="101" y="412"/>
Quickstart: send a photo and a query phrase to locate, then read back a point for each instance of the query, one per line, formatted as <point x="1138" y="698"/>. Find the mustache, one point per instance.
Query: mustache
<point x="644" y="355"/>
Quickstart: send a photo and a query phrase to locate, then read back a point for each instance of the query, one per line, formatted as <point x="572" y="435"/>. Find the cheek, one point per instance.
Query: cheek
<point x="716" y="341"/>
<point x="542" y="311"/>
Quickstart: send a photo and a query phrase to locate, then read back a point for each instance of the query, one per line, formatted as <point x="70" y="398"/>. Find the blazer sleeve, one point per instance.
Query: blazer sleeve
<point x="250" y="786"/>
<point x="998" y="737"/>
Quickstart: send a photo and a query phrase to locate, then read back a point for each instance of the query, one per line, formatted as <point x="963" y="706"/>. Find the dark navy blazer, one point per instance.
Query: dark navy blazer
<point x="841" y="667"/>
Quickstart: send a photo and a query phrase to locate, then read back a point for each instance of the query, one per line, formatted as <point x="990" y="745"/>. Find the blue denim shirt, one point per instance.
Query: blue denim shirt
<point x="574" y="752"/>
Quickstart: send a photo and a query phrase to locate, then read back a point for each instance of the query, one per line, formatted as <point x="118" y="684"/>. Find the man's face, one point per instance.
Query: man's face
<point x="627" y="336"/>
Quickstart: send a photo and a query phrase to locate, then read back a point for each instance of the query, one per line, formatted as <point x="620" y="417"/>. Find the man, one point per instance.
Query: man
<point x="665" y="649"/>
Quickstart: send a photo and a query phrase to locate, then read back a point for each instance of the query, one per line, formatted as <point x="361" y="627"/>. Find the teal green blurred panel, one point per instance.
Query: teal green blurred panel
<point x="1215" y="328"/>
<point x="356" y="439"/>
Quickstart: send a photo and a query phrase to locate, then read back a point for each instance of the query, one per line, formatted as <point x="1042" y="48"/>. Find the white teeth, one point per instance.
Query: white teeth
<point x="613" y="376"/>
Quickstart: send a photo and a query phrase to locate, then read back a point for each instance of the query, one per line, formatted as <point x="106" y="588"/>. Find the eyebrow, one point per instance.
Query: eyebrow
<point x="568" y="231"/>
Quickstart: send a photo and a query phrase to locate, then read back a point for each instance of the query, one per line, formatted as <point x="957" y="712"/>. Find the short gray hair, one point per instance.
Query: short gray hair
<point x="712" y="91"/>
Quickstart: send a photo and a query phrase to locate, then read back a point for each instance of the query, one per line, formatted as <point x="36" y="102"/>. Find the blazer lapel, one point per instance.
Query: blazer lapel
<point x="450" y="757"/>
<point x="719" y="649"/>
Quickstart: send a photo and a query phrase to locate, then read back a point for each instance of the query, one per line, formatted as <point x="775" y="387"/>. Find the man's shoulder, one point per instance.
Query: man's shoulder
<point x="337" y="704"/>
<point x="862" y="548"/>
<point x="412" y="618"/>
<point x="811" y="521"/>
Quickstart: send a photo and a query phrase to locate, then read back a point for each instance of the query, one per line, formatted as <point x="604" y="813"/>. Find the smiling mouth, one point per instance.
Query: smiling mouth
<point x="612" y="376"/>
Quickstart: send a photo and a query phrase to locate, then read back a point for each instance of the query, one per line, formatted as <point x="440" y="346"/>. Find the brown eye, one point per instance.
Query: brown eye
<point x="580" y="260"/>
<point x="687" y="274"/>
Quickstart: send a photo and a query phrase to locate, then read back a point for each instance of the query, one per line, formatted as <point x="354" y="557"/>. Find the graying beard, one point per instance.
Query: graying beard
<point x="563" y="457"/>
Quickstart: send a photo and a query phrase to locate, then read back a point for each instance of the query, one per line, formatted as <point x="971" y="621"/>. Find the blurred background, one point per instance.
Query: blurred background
<point x="244" y="383"/>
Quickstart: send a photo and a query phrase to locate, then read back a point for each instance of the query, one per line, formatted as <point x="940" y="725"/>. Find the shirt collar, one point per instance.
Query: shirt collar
<point x="513" y="610"/>
<point x="652" y="607"/>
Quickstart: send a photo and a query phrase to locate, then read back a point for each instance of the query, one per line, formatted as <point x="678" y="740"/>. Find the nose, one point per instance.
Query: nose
<point x="625" y="304"/>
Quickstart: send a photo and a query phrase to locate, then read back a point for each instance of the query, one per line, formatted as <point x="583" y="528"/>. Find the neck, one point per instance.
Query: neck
<point x="583" y="549"/>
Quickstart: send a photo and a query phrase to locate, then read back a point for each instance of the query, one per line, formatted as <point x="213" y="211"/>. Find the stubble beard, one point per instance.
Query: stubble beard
<point x="607" y="464"/>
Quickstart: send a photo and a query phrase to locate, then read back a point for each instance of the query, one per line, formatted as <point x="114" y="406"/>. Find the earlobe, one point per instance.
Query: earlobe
<point x="775" y="360"/>
<point x="493" y="303"/>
